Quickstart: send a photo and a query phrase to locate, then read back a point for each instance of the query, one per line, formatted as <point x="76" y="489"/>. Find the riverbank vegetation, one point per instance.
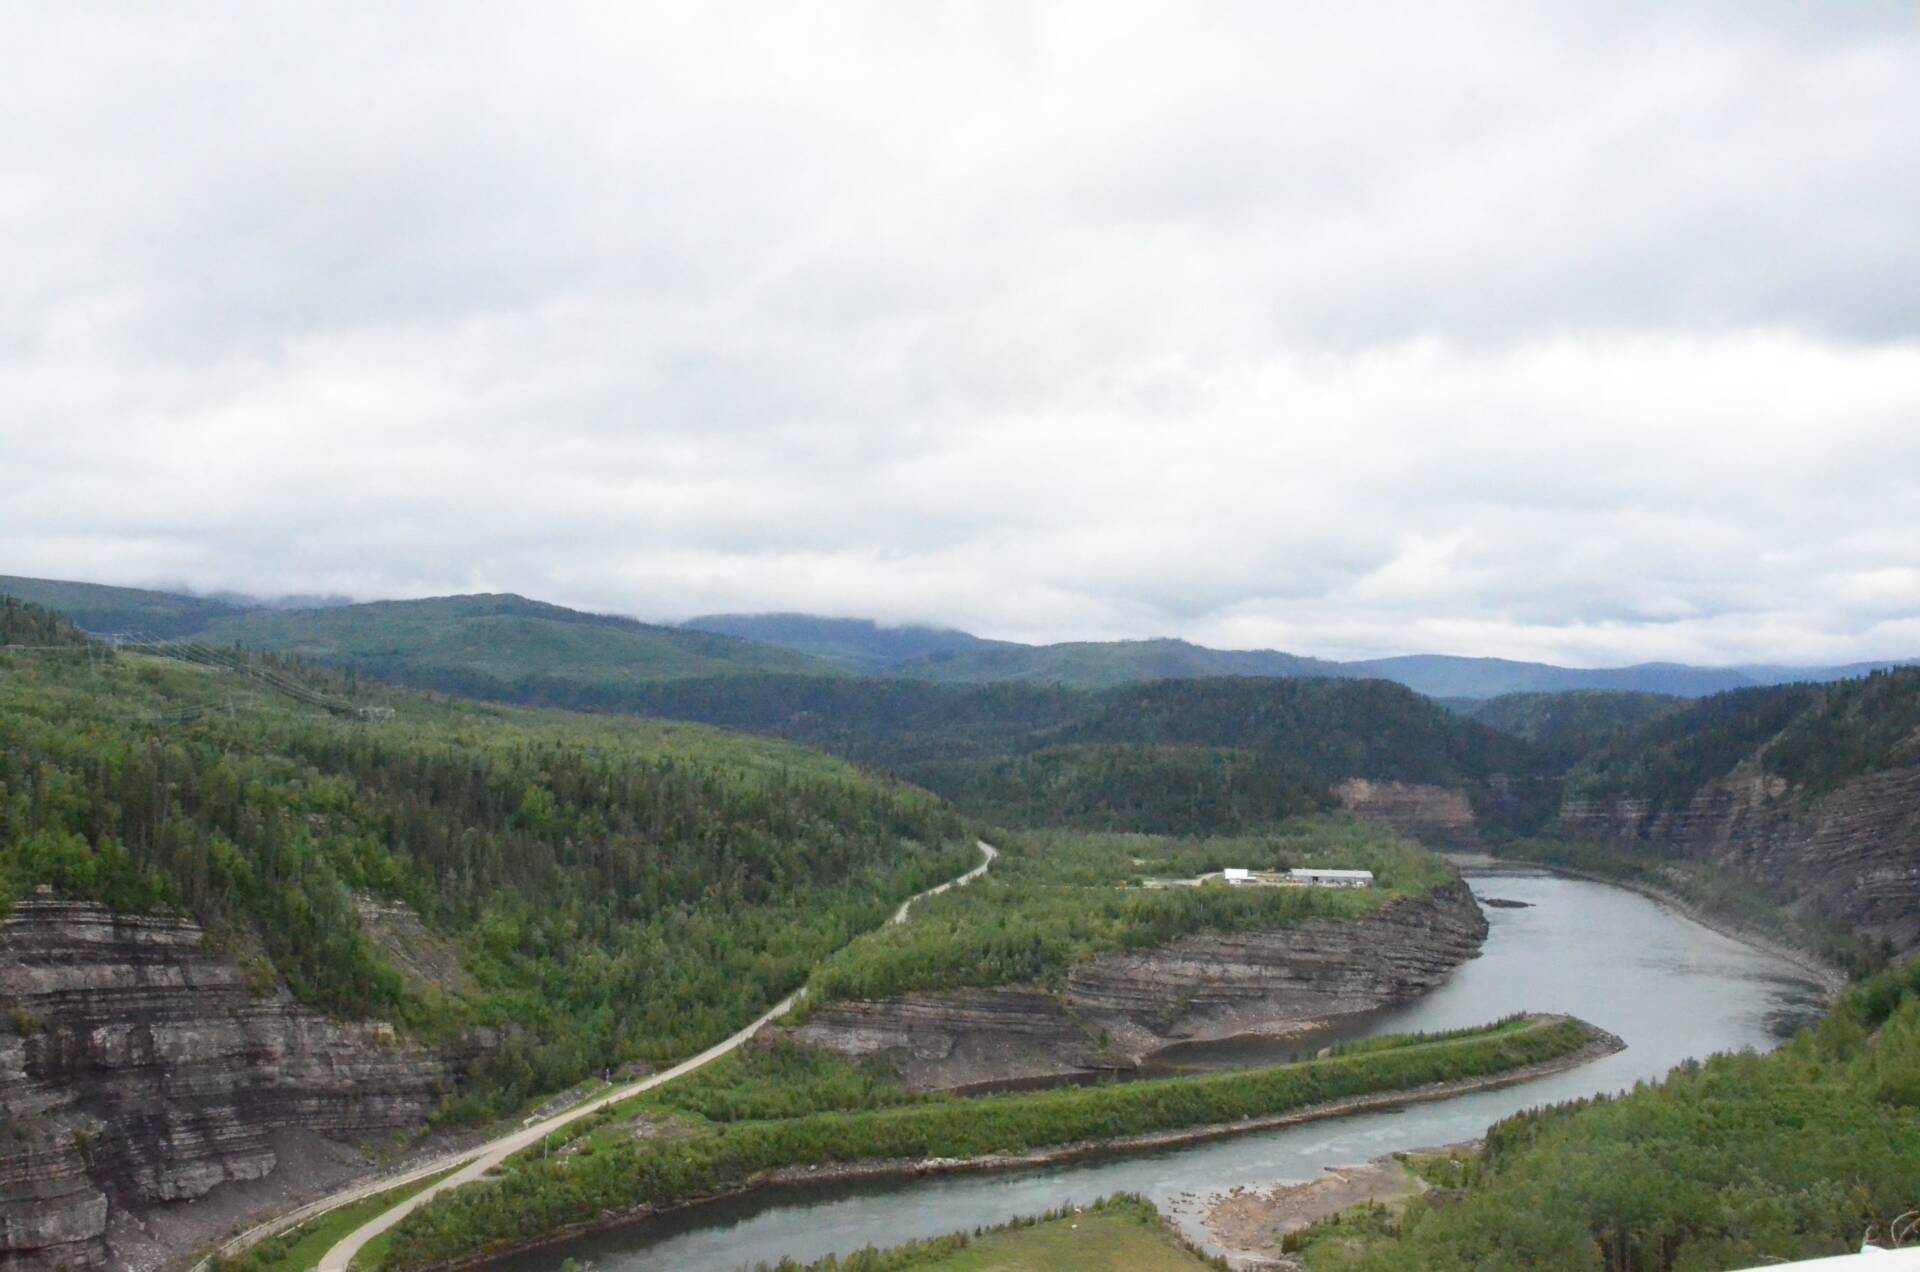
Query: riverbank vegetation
<point x="609" y="1169"/>
<point x="1121" y="1233"/>
<point x="1736" y="1161"/>
<point x="1056" y="898"/>
<point x="593" y="889"/>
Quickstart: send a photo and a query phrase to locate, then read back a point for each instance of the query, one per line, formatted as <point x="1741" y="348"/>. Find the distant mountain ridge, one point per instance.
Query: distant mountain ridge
<point x="491" y="645"/>
<point x="547" y="643"/>
<point x="114" y="611"/>
<point x="858" y="643"/>
<point x="949" y="656"/>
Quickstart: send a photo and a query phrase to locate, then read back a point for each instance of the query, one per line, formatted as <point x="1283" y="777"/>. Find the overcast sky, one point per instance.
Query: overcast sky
<point x="1584" y="333"/>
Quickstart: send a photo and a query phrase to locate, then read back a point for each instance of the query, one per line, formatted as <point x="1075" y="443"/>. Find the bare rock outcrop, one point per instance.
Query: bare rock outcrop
<point x="1852" y="853"/>
<point x="138" y="1069"/>
<point x="1432" y="814"/>
<point x="1121" y="1006"/>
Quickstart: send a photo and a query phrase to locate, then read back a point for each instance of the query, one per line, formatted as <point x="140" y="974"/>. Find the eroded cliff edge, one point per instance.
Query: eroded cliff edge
<point x="1119" y="1007"/>
<point x="1851" y="854"/>
<point x="140" y="1069"/>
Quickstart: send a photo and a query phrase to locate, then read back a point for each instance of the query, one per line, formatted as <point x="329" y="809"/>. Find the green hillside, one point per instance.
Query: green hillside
<point x="859" y="644"/>
<point x="1738" y="1161"/>
<point x="1057" y="898"/>
<point x="495" y="645"/>
<point x="1331" y="728"/>
<point x="1451" y="676"/>
<point x="1815" y="736"/>
<point x="1567" y="727"/>
<point x="1170" y="790"/>
<point x="98" y="608"/>
<point x="605" y="888"/>
<point x="1102" y="664"/>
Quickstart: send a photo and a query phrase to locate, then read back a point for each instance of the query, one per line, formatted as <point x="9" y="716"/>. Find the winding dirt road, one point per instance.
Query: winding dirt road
<point x="476" y="1161"/>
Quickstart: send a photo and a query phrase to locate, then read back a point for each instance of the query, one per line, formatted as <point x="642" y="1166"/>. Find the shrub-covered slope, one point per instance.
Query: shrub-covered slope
<point x="609" y="888"/>
<point x="1736" y="1162"/>
<point x="1056" y="899"/>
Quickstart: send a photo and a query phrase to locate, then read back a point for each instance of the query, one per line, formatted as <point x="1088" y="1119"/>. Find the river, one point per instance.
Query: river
<point x="1668" y="986"/>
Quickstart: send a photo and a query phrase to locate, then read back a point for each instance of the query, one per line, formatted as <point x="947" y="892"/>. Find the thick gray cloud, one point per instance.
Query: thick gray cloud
<point x="1584" y="334"/>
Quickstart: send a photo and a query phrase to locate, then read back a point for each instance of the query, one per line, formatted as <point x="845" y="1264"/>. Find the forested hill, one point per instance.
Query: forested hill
<point x="447" y="642"/>
<point x="495" y="645"/>
<point x="857" y="643"/>
<point x="98" y="608"/>
<point x="1103" y="664"/>
<point x="605" y="887"/>
<point x="1816" y="737"/>
<point x="1328" y="729"/>
<point x="955" y="657"/>
<point x="1568" y="727"/>
<point x="1332" y="728"/>
<point x="1156" y="790"/>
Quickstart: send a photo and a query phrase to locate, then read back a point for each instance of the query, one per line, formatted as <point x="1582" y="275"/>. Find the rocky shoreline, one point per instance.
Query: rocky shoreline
<point x="1122" y="1006"/>
<point x="1832" y="979"/>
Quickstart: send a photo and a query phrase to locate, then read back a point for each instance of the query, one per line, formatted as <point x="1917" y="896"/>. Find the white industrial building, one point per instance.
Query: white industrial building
<point x="1331" y="878"/>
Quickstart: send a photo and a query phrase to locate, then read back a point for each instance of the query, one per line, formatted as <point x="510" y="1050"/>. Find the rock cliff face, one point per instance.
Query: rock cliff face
<point x="1431" y="814"/>
<point x="138" y="1068"/>
<point x="1853" y="853"/>
<point x="1120" y="1007"/>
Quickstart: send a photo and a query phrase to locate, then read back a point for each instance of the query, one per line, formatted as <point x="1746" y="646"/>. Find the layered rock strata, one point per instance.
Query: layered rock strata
<point x="1851" y="854"/>
<point x="139" y="1068"/>
<point x="1431" y="814"/>
<point x="1121" y="1006"/>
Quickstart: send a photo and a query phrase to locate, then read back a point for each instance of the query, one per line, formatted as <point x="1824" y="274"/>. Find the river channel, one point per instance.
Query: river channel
<point x="1668" y="986"/>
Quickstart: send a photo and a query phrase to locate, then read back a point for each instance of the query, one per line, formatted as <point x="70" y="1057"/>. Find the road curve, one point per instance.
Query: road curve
<point x="478" y="1160"/>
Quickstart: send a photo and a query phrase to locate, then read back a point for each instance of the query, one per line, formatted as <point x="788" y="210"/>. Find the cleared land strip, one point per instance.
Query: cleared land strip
<point x="479" y="1159"/>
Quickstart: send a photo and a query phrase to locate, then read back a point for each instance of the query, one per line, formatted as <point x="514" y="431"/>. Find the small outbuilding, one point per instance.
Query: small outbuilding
<point x="1237" y="874"/>
<point x="1332" y="878"/>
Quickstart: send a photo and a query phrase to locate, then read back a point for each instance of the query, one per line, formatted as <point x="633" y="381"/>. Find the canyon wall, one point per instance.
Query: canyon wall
<point x="139" y="1070"/>
<point x="1851" y="853"/>
<point x="1435" y="815"/>
<point x="1121" y="1006"/>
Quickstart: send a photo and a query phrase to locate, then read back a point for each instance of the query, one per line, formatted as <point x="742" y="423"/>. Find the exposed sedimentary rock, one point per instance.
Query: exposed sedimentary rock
<point x="1119" y="1007"/>
<point x="1852" y="853"/>
<point x="1431" y="814"/>
<point x="139" y="1068"/>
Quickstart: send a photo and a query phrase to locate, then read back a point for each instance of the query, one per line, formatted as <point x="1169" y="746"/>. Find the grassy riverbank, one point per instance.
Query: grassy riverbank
<point x="1734" y="1162"/>
<point x="611" y="1170"/>
<point x="1121" y="1233"/>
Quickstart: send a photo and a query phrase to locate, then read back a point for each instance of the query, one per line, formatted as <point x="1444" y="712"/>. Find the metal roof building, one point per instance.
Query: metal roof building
<point x="1332" y="878"/>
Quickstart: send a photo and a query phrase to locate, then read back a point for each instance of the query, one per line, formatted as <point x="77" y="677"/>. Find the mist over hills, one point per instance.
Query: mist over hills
<point x="489" y="643"/>
<point x="956" y="657"/>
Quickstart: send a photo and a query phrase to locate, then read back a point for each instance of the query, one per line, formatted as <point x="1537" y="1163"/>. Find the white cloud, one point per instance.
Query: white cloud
<point x="1583" y="334"/>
